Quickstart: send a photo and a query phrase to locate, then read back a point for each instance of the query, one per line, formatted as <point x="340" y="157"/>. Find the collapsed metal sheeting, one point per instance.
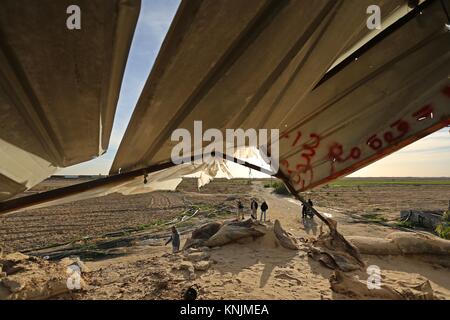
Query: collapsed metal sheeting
<point x="58" y="87"/>
<point x="342" y="95"/>
<point x="166" y="179"/>
<point x="266" y="64"/>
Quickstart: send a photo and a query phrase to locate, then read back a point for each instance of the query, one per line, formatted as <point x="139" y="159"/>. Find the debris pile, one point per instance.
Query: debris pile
<point x="216" y="234"/>
<point x="429" y="219"/>
<point x="195" y="259"/>
<point x="286" y="239"/>
<point x="335" y="253"/>
<point x="30" y="278"/>
<point x="402" y="243"/>
<point x="393" y="286"/>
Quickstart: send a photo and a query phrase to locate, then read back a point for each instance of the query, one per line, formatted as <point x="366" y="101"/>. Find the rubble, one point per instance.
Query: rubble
<point x="202" y="265"/>
<point x="198" y="256"/>
<point x="186" y="265"/>
<point x="25" y="277"/>
<point x="286" y="239"/>
<point x="68" y="261"/>
<point x="13" y="285"/>
<point x="423" y="218"/>
<point x="413" y="287"/>
<point x="189" y="267"/>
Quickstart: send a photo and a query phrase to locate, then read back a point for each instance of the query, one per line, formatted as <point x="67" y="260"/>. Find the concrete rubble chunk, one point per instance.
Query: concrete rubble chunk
<point x="13" y="285"/>
<point x="32" y="278"/>
<point x="69" y="261"/>
<point x="186" y="265"/>
<point x="202" y="265"/>
<point x="198" y="256"/>
<point x="286" y="239"/>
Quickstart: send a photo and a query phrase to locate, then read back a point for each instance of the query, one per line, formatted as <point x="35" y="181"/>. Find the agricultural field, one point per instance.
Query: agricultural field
<point x="50" y="226"/>
<point x="376" y="199"/>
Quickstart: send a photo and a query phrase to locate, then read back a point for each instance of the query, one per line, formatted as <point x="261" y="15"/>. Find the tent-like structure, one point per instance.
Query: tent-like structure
<point x="341" y="94"/>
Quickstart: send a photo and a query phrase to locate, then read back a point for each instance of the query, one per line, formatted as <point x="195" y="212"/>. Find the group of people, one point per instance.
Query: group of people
<point x="254" y="209"/>
<point x="307" y="211"/>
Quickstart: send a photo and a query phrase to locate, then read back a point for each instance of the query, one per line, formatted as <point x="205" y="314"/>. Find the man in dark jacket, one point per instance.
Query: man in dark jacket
<point x="310" y="211"/>
<point x="175" y="239"/>
<point x="240" y="210"/>
<point x="307" y="210"/>
<point x="304" y="211"/>
<point x="264" y="208"/>
<point x="254" y="207"/>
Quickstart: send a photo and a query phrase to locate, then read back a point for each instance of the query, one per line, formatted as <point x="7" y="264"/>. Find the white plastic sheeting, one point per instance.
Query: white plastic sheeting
<point x="167" y="179"/>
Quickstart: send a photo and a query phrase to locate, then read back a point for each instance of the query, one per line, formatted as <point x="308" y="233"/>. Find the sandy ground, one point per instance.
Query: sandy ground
<point x="257" y="269"/>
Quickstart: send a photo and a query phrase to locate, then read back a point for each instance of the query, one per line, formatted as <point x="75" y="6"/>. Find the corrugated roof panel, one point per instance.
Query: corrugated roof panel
<point x="59" y="87"/>
<point x="257" y="64"/>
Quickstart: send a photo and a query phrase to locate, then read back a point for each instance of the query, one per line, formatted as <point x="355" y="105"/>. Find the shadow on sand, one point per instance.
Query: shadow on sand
<point x="236" y="258"/>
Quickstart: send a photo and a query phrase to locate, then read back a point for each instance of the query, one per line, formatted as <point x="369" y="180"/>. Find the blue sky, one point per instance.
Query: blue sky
<point x="154" y="21"/>
<point x="427" y="157"/>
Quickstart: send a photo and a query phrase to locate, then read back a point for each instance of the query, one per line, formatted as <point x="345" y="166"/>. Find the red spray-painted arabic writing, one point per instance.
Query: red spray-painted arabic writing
<point x="301" y="173"/>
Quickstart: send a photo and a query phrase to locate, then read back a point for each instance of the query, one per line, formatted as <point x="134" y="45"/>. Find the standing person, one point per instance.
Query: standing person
<point x="264" y="208"/>
<point x="254" y="207"/>
<point x="240" y="210"/>
<point x="175" y="239"/>
<point x="310" y="212"/>
<point x="304" y="211"/>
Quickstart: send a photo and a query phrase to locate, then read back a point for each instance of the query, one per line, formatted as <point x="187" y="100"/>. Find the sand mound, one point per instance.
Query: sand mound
<point x="398" y="243"/>
<point x="285" y="238"/>
<point x="233" y="231"/>
<point x="244" y="232"/>
<point x="393" y="286"/>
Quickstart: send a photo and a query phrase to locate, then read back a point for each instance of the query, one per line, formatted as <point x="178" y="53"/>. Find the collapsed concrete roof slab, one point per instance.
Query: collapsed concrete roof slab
<point x="58" y="87"/>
